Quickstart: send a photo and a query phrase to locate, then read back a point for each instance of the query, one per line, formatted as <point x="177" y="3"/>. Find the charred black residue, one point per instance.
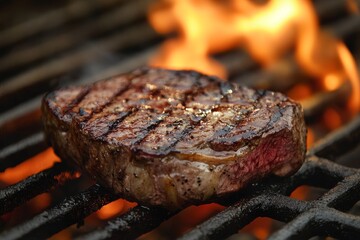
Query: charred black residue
<point x="113" y="124"/>
<point x="198" y="181"/>
<point x="183" y="180"/>
<point x="260" y="93"/>
<point x="82" y="112"/>
<point x="225" y="90"/>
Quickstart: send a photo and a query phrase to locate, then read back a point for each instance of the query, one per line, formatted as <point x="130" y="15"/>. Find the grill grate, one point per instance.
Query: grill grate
<point x="264" y="199"/>
<point x="131" y="225"/>
<point x="268" y="200"/>
<point x="307" y="218"/>
<point x="19" y="193"/>
<point x="26" y="76"/>
<point x="71" y="210"/>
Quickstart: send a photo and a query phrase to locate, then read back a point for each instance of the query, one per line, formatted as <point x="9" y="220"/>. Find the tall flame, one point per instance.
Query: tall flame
<point x="267" y="30"/>
<point x="198" y="36"/>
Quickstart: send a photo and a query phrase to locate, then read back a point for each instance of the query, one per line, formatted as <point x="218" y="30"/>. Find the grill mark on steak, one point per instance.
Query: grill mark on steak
<point x="208" y="100"/>
<point x="122" y="84"/>
<point x="110" y="115"/>
<point x="178" y="124"/>
<point x="181" y="136"/>
<point x="59" y="100"/>
<point x="111" y="126"/>
<point x="196" y="143"/>
<point x="197" y="137"/>
<point x="170" y="131"/>
<point x="185" y="92"/>
<point x="239" y="119"/>
<point x="226" y="89"/>
<point x="204" y="98"/>
<point x="246" y="130"/>
<point x="221" y="140"/>
<point x="195" y="123"/>
<point x="155" y="122"/>
<point x="78" y="98"/>
<point x="135" y="127"/>
<point x="138" y="103"/>
<point x="101" y="102"/>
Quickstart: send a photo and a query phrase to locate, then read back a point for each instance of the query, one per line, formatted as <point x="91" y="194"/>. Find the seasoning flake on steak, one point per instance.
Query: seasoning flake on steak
<point x="174" y="138"/>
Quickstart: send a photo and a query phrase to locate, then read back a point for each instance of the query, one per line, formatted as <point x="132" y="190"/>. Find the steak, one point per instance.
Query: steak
<point x="174" y="138"/>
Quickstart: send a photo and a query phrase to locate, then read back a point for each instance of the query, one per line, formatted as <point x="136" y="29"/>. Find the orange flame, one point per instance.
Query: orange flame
<point x="259" y="227"/>
<point x="114" y="208"/>
<point x="353" y="6"/>
<point x="29" y="167"/>
<point x="266" y="30"/>
<point x="197" y="36"/>
<point x="350" y="68"/>
<point x="332" y="119"/>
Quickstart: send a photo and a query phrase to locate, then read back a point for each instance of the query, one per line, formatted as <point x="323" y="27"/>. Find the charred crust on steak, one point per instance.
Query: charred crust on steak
<point x="174" y="138"/>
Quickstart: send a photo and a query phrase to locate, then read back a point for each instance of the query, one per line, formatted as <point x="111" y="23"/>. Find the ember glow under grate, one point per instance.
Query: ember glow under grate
<point x="54" y="48"/>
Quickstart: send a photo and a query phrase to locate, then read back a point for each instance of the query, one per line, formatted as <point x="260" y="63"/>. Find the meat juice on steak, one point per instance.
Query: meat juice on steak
<point x="174" y="138"/>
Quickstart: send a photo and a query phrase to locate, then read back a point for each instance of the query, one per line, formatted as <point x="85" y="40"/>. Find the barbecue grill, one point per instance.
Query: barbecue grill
<point x="83" y="41"/>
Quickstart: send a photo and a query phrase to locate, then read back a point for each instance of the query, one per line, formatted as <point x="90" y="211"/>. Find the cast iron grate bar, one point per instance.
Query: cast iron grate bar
<point x="240" y="214"/>
<point x="69" y="38"/>
<point x="14" y="195"/>
<point x="131" y="225"/>
<point x="54" y="18"/>
<point x="71" y="210"/>
<point x="271" y="204"/>
<point x="338" y="142"/>
<point x="43" y="77"/>
<point x="16" y="153"/>
<point x="321" y="221"/>
<point x="263" y="200"/>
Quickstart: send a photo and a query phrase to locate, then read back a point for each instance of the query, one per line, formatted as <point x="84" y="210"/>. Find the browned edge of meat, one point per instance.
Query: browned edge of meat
<point x="174" y="138"/>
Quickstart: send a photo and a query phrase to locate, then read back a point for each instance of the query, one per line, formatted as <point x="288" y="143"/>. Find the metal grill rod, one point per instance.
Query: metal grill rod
<point x="237" y="216"/>
<point x="55" y="18"/>
<point x="71" y="210"/>
<point x="40" y="76"/>
<point x="320" y="221"/>
<point x="70" y="38"/>
<point x="16" y="153"/>
<point x="338" y="142"/>
<point x="14" y="195"/>
<point x="131" y="225"/>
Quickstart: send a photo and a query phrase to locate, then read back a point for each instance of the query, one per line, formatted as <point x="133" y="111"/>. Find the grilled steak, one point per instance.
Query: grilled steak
<point x="173" y="138"/>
